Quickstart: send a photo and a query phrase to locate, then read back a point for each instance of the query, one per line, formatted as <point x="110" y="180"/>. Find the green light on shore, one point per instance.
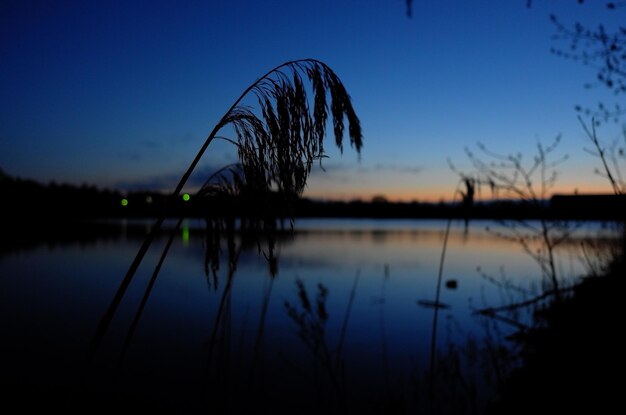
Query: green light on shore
<point x="186" y="197"/>
<point x="124" y="202"/>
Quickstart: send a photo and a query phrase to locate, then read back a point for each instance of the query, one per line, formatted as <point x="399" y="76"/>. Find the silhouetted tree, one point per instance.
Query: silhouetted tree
<point x="510" y="176"/>
<point x="602" y="49"/>
<point x="613" y="158"/>
<point x="605" y="51"/>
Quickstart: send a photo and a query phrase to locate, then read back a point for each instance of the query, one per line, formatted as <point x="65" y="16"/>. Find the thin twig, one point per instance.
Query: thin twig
<point x="591" y="133"/>
<point x="510" y="307"/>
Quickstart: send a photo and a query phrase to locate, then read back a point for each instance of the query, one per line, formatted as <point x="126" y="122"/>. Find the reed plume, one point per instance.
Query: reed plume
<point x="277" y="145"/>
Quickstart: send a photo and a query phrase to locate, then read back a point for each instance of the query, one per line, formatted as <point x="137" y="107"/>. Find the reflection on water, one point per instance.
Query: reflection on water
<point x="54" y="292"/>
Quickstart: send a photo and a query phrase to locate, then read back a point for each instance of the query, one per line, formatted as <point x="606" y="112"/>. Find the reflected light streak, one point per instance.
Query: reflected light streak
<point x="185" y="234"/>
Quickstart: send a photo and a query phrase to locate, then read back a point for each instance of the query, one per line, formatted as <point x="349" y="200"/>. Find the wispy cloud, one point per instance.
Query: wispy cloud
<point x="130" y="155"/>
<point x="188" y="137"/>
<point x="168" y="181"/>
<point x="335" y="173"/>
<point x="138" y="151"/>
<point x="330" y="167"/>
<point x="344" y="173"/>
<point x="150" y="144"/>
<point x="392" y="168"/>
<point x="334" y="167"/>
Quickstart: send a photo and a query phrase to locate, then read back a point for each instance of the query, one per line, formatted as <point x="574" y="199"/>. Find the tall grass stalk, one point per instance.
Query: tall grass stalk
<point x="437" y="304"/>
<point x="383" y="331"/>
<point x="146" y="295"/>
<point x="310" y="319"/>
<point x="346" y="317"/>
<point x="267" y="294"/>
<point x="221" y="314"/>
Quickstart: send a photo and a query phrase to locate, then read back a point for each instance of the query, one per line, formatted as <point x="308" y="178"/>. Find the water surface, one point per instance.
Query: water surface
<point x="54" y="293"/>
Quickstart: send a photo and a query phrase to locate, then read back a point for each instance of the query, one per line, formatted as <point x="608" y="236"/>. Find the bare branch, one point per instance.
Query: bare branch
<point x="491" y="311"/>
<point x="600" y="152"/>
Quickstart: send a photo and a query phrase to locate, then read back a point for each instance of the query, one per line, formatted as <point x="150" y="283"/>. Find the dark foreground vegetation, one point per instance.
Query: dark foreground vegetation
<point x="573" y="358"/>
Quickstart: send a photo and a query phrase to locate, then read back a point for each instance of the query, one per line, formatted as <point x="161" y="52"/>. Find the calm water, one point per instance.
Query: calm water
<point x="53" y="295"/>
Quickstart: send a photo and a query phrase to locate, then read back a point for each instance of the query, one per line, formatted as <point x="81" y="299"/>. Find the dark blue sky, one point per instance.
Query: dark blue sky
<point x="123" y="93"/>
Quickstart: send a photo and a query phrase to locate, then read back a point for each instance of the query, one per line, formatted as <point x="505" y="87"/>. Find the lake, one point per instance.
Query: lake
<point x="375" y="277"/>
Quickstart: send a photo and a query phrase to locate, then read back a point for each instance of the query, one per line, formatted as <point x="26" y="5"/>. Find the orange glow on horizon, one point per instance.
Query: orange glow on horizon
<point x="438" y="194"/>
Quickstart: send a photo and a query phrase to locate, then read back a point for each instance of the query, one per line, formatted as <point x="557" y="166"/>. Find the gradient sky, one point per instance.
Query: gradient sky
<point x="122" y="93"/>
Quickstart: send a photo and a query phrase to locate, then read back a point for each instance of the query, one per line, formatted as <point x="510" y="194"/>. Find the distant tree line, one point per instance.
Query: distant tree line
<point x="35" y="201"/>
<point x="24" y="197"/>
